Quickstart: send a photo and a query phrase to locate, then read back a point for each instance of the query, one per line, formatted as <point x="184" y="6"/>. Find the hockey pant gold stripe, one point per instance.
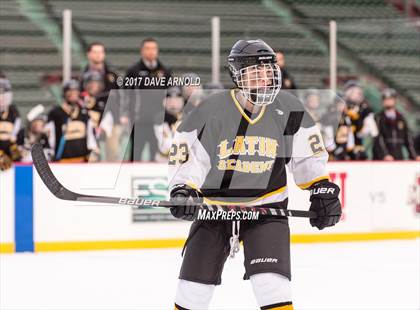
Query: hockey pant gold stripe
<point x="279" y="306"/>
<point x="180" y="308"/>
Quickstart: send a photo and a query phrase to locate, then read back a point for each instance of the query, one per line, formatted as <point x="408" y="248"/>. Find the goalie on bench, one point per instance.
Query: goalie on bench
<point x="233" y="149"/>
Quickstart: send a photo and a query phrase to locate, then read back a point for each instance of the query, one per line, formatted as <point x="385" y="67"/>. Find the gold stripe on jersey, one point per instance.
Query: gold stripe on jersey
<point x="310" y="183"/>
<point x="232" y="203"/>
<point x="241" y="110"/>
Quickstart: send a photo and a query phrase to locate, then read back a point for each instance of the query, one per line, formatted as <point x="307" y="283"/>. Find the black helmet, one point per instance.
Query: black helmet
<point x="174" y="91"/>
<point x="246" y="53"/>
<point x="70" y="85"/>
<point x="389" y="93"/>
<point x="352" y="83"/>
<point x="250" y="63"/>
<point x="90" y="76"/>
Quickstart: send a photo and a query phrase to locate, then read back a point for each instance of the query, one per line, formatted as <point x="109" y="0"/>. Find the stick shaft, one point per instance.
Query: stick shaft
<point x="147" y="203"/>
<point x="58" y="190"/>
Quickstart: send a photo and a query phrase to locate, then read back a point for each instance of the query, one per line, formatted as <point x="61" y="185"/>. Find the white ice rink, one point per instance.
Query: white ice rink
<point x="368" y="275"/>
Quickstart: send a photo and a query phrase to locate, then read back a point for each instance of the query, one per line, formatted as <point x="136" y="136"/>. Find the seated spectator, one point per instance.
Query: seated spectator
<point x="34" y="133"/>
<point x="287" y="79"/>
<point x="394" y="134"/>
<point x="362" y="118"/>
<point x="167" y="122"/>
<point x="337" y="132"/>
<point x="10" y="123"/>
<point x="71" y="132"/>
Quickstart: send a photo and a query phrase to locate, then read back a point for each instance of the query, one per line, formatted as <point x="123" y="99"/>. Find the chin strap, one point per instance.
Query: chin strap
<point x="234" y="240"/>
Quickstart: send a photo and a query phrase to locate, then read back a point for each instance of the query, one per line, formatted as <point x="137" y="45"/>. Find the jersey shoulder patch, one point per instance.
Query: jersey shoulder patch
<point x="292" y="111"/>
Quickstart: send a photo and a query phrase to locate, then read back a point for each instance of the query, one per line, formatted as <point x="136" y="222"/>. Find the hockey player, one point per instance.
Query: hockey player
<point x="167" y="122"/>
<point x="362" y="118"/>
<point x="233" y="149"/>
<point x="10" y="123"/>
<point x="34" y="133"/>
<point x="337" y="131"/>
<point x="94" y="100"/>
<point x="71" y="132"/>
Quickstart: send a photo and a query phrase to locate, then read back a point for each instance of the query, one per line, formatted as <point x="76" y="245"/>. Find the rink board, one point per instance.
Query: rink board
<point x="379" y="202"/>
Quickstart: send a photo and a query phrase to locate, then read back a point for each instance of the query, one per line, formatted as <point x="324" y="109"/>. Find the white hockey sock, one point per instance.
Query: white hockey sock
<point x="193" y="295"/>
<point x="271" y="289"/>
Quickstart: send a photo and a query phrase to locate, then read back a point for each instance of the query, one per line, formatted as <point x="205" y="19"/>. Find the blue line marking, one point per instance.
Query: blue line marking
<point x="24" y="209"/>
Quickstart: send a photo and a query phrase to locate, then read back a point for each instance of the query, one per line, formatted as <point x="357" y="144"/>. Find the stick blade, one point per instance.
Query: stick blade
<point x="47" y="176"/>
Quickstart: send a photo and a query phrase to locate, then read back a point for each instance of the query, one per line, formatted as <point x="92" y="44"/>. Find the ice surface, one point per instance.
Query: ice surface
<point x="368" y="275"/>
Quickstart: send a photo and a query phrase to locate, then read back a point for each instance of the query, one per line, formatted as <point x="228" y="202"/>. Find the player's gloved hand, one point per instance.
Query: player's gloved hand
<point x="185" y="200"/>
<point x="325" y="202"/>
<point x="5" y="161"/>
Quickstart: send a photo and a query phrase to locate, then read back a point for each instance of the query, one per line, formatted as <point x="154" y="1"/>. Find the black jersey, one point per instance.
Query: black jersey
<point x="10" y="123"/>
<point x="361" y="118"/>
<point x="71" y="133"/>
<point x="95" y="106"/>
<point x="394" y="135"/>
<point x="339" y="136"/>
<point x="233" y="156"/>
<point x="25" y="141"/>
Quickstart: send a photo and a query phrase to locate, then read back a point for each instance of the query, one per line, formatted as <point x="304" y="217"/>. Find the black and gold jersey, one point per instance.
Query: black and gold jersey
<point x="95" y="105"/>
<point x="234" y="156"/>
<point x="71" y="133"/>
<point x="10" y="123"/>
<point x="362" y="122"/>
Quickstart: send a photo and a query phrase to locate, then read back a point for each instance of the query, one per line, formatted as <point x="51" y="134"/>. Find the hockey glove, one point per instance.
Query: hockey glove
<point x="325" y="202"/>
<point x="185" y="200"/>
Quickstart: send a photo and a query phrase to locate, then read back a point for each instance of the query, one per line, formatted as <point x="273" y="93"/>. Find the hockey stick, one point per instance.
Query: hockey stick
<point x="59" y="191"/>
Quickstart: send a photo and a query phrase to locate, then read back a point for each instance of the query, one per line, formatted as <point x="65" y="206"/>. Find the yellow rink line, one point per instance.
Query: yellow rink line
<point x="351" y="237"/>
<point x="108" y="245"/>
<point x="177" y="243"/>
<point x="7" y="247"/>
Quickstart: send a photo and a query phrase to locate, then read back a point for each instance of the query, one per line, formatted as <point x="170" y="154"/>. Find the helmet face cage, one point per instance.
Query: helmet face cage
<point x="259" y="83"/>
